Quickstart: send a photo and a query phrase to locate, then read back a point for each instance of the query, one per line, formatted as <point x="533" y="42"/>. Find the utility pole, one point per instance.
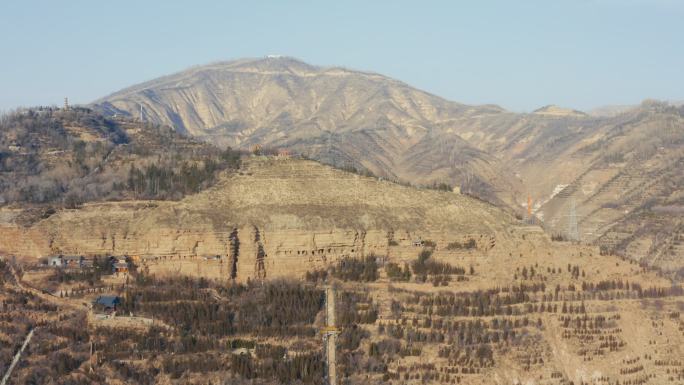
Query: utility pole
<point x="330" y="333"/>
<point x="92" y="349"/>
<point x="141" y="112"/>
<point x="17" y="357"/>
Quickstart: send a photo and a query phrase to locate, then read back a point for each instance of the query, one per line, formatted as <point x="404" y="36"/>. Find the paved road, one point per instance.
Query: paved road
<point x="17" y="357"/>
<point x="47" y="297"/>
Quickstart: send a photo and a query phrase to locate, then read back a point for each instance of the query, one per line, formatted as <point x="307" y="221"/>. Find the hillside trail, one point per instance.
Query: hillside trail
<point x="61" y="302"/>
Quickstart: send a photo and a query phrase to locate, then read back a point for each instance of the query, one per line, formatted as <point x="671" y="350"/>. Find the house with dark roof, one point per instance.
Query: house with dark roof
<point x="107" y="303"/>
<point x="55" y="261"/>
<point x="120" y="266"/>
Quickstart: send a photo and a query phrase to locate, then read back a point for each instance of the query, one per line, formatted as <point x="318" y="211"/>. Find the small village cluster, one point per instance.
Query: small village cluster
<point x="119" y="265"/>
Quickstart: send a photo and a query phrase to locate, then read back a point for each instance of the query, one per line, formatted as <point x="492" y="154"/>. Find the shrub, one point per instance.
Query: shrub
<point x="423" y="265"/>
<point x="316" y="275"/>
<point x="429" y="243"/>
<point x="360" y="270"/>
<point x="468" y="245"/>
<point x="396" y="273"/>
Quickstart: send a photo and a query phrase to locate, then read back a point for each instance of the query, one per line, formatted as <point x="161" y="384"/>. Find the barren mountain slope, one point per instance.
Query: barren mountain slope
<point x="343" y="117"/>
<point x="615" y="170"/>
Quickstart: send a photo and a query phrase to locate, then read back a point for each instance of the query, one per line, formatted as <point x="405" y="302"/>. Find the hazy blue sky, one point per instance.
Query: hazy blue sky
<point x="518" y="54"/>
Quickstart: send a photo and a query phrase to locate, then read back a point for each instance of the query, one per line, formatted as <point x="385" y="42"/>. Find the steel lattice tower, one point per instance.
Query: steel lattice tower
<point x="573" y="230"/>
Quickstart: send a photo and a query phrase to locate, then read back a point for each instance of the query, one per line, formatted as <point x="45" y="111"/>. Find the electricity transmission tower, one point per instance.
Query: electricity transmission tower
<point x="330" y="143"/>
<point x="573" y="230"/>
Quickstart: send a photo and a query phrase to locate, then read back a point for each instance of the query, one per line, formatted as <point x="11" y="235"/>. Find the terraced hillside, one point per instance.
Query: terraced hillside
<point x="619" y="172"/>
<point x="628" y="189"/>
<point x="534" y="311"/>
<point x="281" y="213"/>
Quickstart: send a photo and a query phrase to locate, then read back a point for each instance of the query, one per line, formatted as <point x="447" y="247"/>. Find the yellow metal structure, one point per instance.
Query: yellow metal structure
<point x="329" y="329"/>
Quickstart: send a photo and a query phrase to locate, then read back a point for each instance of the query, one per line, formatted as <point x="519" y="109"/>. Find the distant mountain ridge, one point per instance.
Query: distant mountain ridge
<point x="310" y="87"/>
<point x="554" y="110"/>
<point x="342" y="117"/>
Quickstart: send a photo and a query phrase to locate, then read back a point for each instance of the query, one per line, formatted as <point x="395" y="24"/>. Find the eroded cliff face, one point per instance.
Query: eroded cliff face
<point x="273" y="254"/>
<point x="277" y="218"/>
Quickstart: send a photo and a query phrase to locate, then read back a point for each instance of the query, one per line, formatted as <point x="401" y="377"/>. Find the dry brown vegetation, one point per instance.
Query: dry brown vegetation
<point x="64" y="158"/>
<point x="485" y="299"/>
<point x="563" y="317"/>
